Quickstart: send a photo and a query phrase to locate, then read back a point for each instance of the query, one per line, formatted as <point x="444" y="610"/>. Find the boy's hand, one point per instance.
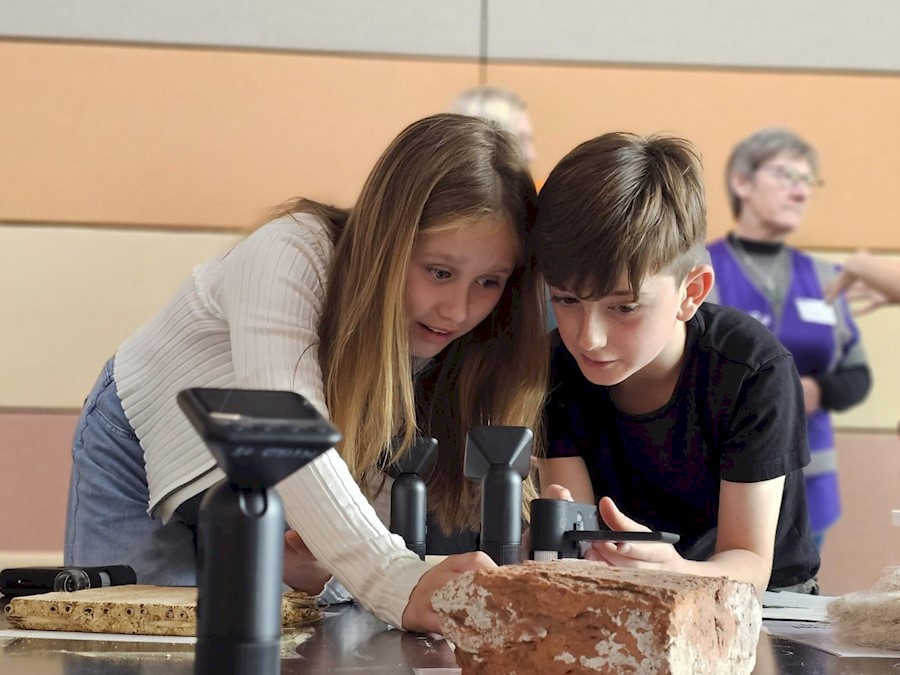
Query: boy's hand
<point x="630" y="554"/>
<point x="556" y="492"/>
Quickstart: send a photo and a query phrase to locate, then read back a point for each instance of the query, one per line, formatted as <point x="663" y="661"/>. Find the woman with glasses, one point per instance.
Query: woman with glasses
<point x="770" y="178"/>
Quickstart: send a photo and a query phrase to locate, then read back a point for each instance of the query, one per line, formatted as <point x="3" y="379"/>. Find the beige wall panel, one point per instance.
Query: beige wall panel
<point x="879" y="332"/>
<point x="880" y="410"/>
<point x="72" y="295"/>
<point x="104" y="134"/>
<point x="852" y="120"/>
<point x="80" y="292"/>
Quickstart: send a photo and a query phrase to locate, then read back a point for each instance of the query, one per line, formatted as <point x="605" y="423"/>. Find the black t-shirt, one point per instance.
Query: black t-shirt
<point x="736" y="414"/>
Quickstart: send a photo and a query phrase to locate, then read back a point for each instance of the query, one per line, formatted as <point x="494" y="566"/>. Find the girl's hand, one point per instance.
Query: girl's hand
<point x="419" y="614"/>
<point x="656" y="556"/>
<point x="302" y="571"/>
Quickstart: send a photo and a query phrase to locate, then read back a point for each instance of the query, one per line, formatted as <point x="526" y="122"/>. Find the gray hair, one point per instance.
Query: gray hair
<point x="758" y="148"/>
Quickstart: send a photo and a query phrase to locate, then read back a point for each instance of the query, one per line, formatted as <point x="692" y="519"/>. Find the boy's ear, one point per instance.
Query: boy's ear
<point x="697" y="285"/>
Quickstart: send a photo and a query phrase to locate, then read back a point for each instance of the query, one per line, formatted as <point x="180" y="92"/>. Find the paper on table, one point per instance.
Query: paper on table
<point x="822" y="636"/>
<point x="785" y="605"/>
<point x="789" y="599"/>
<point x="795" y="614"/>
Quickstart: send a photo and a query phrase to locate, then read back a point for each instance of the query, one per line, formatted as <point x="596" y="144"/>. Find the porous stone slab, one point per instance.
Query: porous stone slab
<point x="577" y="616"/>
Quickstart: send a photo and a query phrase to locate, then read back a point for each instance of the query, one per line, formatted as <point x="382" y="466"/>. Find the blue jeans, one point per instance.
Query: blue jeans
<point x="106" y="518"/>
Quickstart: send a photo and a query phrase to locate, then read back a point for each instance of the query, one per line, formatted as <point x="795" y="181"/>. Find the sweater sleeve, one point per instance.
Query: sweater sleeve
<point x="845" y="387"/>
<point x="342" y="530"/>
<point x="848" y="380"/>
<point x="272" y="292"/>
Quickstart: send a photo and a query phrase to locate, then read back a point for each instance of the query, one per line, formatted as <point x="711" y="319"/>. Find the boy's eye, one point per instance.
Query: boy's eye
<point x="626" y="309"/>
<point x="438" y="273"/>
<point x="564" y="300"/>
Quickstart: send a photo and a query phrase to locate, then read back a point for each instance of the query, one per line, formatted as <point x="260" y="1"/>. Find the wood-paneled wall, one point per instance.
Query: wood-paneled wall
<point x="139" y="139"/>
<point x="117" y="157"/>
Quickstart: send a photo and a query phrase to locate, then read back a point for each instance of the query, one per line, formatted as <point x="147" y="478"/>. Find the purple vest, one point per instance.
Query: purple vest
<point x="813" y="346"/>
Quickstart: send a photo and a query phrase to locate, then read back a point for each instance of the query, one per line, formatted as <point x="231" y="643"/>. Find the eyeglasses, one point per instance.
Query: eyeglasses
<point x="787" y="176"/>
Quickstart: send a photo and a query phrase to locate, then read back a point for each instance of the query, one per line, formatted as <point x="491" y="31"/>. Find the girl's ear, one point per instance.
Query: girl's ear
<point x="697" y="285"/>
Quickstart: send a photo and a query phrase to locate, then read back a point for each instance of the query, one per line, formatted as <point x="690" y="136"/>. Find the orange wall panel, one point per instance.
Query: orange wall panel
<point x="852" y="120"/>
<point x="210" y="138"/>
<point x="133" y="135"/>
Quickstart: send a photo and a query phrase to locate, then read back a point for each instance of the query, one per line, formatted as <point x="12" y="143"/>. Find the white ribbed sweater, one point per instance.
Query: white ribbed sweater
<point x="249" y="319"/>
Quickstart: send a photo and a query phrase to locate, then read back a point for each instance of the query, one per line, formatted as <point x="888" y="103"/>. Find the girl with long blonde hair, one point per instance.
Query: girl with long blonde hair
<point x="419" y="310"/>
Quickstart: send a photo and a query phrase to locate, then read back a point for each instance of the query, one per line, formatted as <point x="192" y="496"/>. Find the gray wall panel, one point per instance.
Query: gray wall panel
<point x="820" y="34"/>
<point x="428" y="27"/>
<point x="817" y="34"/>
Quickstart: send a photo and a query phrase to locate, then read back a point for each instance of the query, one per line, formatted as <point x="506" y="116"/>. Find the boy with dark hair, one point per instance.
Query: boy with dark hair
<point x="687" y="417"/>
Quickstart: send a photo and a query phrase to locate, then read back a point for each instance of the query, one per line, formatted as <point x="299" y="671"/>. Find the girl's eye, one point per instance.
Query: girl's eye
<point x="489" y="283"/>
<point x="564" y="300"/>
<point x="438" y="273"/>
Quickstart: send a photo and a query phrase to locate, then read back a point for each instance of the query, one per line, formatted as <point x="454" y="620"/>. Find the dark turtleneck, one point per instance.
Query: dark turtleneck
<point x="754" y="247"/>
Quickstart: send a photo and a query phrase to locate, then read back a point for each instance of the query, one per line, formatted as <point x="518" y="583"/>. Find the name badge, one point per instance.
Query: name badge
<point x="816" y="310"/>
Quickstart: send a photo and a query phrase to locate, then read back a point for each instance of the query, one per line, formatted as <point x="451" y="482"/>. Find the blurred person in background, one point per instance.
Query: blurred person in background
<point x="770" y="179"/>
<point x="502" y="106"/>
<point x="507" y="109"/>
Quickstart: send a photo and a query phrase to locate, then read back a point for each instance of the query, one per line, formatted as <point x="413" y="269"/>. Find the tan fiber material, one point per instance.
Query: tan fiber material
<point x="889" y="581"/>
<point x="576" y="616"/>
<point x="132" y="609"/>
<point x="871" y="618"/>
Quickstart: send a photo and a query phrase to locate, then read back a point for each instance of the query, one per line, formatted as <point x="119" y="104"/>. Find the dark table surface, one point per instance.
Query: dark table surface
<point x="350" y="640"/>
